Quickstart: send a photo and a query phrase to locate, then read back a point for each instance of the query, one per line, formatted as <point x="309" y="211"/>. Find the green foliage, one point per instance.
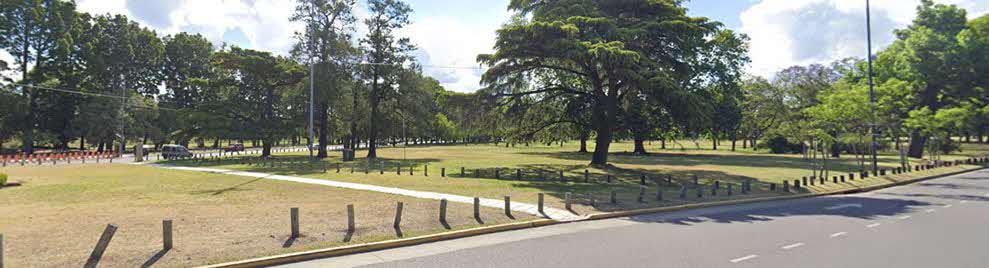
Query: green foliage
<point x="780" y="145"/>
<point x="3" y="179"/>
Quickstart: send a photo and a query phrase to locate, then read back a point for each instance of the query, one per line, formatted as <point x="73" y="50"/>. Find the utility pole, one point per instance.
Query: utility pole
<point x="872" y="92"/>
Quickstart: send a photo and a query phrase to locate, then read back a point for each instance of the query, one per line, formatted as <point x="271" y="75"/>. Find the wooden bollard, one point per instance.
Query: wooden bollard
<point x="443" y="172"/>
<point x="477" y="208"/>
<point x="443" y="210"/>
<point x="796" y="184"/>
<point x="294" y="215"/>
<point x="842" y="177"/>
<point x="518" y="174"/>
<point x="463" y="172"/>
<point x="697" y="182"/>
<point x="398" y="169"/>
<point x="786" y="186"/>
<point x="642" y="194"/>
<point x="587" y="176"/>
<point x="351" y="225"/>
<point x="729" y="190"/>
<point x="540" y="203"/>
<point x="101" y="245"/>
<point x="659" y="193"/>
<point x="1" y="249"/>
<point x="381" y="168"/>
<point x="609" y="178"/>
<point x="566" y="201"/>
<point x="614" y="197"/>
<point x="166" y="234"/>
<point x="398" y="215"/>
<point x="497" y="174"/>
<point x="508" y="206"/>
<point x="425" y="170"/>
<point x="804" y="181"/>
<point x="562" y="178"/>
<point x="834" y="179"/>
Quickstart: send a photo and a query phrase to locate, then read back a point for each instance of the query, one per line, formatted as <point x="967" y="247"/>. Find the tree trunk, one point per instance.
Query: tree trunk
<point x="917" y="143"/>
<point x="584" y="135"/>
<point x="714" y="142"/>
<point x="640" y="148"/>
<point x="82" y="143"/>
<point x="266" y="148"/>
<point x="745" y="143"/>
<point x="372" y="134"/>
<point x="662" y="143"/>
<point x="604" y="113"/>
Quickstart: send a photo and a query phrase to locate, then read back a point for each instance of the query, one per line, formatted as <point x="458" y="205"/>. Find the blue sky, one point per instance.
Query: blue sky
<point x="453" y="32"/>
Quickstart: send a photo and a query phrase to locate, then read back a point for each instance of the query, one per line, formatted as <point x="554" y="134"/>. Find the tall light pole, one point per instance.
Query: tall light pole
<point x="312" y="79"/>
<point x="872" y="92"/>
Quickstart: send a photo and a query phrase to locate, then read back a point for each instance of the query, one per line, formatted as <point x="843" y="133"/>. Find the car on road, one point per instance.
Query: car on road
<point x="175" y="151"/>
<point x="234" y="148"/>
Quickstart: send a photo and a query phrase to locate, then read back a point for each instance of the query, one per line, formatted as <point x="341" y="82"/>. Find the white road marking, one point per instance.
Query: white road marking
<point x="841" y="206"/>
<point x="905" y="217"/>
<point x="874" y="225"/>
<point x="987" y="195"/>
<point x="838" y="234"/>
<point x="793" y="246"/>
<point x="947" y="206"/>
<point x="929" y="211"/>
<point x="749" y="257"/>
<point x="964" y="201"/>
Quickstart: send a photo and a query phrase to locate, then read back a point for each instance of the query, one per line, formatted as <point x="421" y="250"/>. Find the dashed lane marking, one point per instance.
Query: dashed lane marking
<point x="749" y="257"/>
<point x="905" y="217"/>
<point x="874" y="225"/>
<point x="793" y="246"/>
<point x="947" y="206"/>
<point x="838" y="234"/>
<point x="929" y="211"/>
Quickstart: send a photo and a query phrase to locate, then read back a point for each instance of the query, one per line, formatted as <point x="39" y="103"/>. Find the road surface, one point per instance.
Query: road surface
<point x="937" y="223"/>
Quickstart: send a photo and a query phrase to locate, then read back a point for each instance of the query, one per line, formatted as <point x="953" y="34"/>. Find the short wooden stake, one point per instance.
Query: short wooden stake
<point x="398" y="215"/>
<point x="442" y="210"/>
<point x="540" y="204"/>
<point x="101" y="245"/>
<point x="567" y="201"/>
<point x="351" y="226"/>
<point x="166" y="234"/>
<point x="294" y="214"/>
<point x="477" y="208"/>
<point x="508" y="206"/>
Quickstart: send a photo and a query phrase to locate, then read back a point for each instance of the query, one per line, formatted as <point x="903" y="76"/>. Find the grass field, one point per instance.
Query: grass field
<point x="59" y="213"/>
<point x="481" y="161"/>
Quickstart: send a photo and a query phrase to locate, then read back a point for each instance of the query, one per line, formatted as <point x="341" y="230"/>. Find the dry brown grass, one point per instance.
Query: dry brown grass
<point x="56" y="216"/>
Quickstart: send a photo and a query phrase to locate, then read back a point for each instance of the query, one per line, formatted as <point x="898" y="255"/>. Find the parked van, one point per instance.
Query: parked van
<point x="174" y="152"/>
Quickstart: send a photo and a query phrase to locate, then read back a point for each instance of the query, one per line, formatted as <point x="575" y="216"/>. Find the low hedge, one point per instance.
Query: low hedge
<point x="3" y="179"/>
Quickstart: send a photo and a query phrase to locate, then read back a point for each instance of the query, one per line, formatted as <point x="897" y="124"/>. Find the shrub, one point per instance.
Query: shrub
<point x="3" y="179"/>
<point x="780" y="145"/>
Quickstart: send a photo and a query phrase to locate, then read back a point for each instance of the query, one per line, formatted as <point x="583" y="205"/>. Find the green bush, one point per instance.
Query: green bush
<point x="780" y="145"/>
<point x="3" y="179"/>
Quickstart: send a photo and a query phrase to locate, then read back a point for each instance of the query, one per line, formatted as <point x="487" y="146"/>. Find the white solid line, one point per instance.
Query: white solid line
<point x="874" y="225"/>
<point x="744" y="258"/>
<point x="838" y="234"/>
<point x="797" y="245"/>
<point x="905" y="217"/>
<point x="947" y="206"/>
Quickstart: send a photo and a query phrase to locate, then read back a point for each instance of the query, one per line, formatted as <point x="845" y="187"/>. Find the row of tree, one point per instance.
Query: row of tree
<point x="87" y="78"/>
<point x="598" y="70"/>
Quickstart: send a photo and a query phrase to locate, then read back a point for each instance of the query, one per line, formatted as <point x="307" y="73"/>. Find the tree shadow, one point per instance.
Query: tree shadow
<point x="943" y="196"/>
<point x="872" y="208"/>
<point x="155" y="258"/>
<point x="235" y="188"/>
<point x="290" y="241"/>
<point x="398" y="231"/>
<point x="951" y="186"/>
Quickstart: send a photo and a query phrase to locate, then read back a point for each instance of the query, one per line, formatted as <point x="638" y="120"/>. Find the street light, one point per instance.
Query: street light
<point x="872" y="92"/>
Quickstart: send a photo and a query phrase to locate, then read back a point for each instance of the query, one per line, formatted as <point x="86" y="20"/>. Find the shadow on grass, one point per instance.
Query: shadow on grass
<point x="155" y="258"/>
<point x="234" y="188"/>
<point x="872" y="208"/>
<point x="745" y="160"/>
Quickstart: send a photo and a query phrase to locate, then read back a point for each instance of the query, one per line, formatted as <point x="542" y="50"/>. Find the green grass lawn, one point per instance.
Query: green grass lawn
<point x="481" y="161"/>
<point x="59" y="213"/>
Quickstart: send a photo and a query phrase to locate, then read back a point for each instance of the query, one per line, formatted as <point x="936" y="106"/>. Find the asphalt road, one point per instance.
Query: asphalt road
<point x="937" y="223"/>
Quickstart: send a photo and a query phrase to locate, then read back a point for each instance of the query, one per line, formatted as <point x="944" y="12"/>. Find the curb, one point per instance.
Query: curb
<point x="389" y="244"/>
<point x="361" y="248"/>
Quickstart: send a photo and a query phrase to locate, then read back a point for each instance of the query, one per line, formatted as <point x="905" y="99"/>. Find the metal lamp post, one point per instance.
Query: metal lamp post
<point x="872" y="92"/>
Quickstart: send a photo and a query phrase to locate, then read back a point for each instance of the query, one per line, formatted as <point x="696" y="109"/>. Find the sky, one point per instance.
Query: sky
<point x="451" y="33"/>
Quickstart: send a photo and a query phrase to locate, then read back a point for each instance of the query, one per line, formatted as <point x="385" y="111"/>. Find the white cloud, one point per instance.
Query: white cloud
<point x="451" y="49"/>
<point x="787" y="32"/>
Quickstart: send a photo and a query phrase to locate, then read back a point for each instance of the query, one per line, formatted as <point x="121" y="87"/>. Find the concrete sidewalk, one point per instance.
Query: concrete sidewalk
<point x="552" y="213"/>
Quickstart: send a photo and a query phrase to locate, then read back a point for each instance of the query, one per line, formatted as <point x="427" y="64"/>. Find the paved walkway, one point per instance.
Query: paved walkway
<point x="552" y="213"/>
